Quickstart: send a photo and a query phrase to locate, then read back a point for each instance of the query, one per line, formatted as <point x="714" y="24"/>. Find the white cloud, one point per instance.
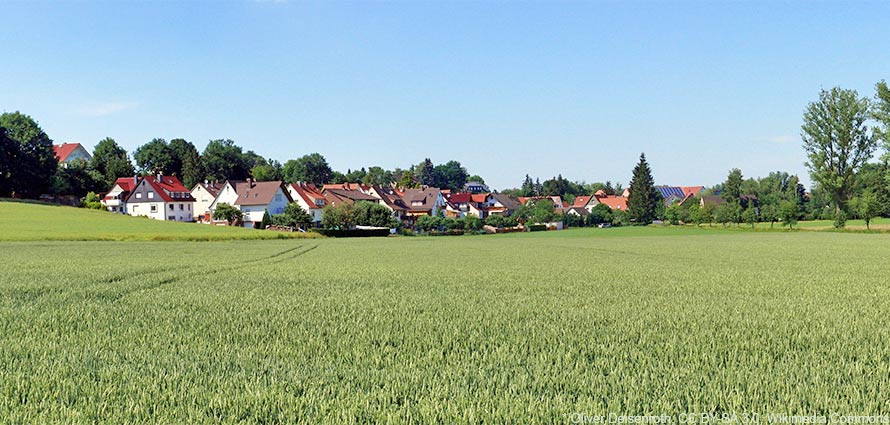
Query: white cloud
<point x="107" y="108"/>
<point x="781" y="139"/>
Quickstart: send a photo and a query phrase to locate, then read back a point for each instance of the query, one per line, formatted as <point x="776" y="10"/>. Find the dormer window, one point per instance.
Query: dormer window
<point x="151" y="195"/>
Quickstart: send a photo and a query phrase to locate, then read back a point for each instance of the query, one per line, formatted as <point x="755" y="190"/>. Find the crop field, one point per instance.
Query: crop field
<point x="24" y="221"/>
<point x="518" y="328"/>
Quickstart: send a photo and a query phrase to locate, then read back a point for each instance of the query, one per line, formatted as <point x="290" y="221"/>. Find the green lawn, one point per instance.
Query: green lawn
<point x="517" y="328"/>
<point x="27" y="222"/>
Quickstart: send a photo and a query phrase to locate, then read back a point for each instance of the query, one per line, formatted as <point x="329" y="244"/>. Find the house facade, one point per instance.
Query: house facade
<point x="116" y="199"/>
<point x="204" y="194"/>
<point x="308" y="197"/>
<point x="253" y="199"/>
<point x="161" y="198"/>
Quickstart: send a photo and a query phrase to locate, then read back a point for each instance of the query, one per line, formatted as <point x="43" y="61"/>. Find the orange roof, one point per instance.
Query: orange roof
<point x="581" y="201"/>
<point x="600" y="193"/>
<point x="346" y="186"/>
<point x="479" y="197"/>
<point x="614" y="202"/>
<point x="692" y="190"/>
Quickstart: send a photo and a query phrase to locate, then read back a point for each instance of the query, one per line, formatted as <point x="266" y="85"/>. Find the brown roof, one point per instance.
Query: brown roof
<point x="426" y="196"/>
<point x="258" y="193"/>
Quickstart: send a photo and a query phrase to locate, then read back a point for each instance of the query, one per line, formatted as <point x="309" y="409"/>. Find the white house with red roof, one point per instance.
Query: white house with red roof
<point x="308" y="197"/>
<point x="116" y="199"/>
<point x="67" y="152"/>
<point x="161" y="198"/>
<point x="204" y="194"/>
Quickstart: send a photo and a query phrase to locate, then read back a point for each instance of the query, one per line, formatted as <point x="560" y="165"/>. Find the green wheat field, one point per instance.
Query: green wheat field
<point x="517" y="328"/>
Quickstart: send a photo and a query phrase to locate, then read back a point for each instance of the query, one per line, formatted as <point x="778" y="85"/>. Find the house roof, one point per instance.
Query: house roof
<point x="257" y="193"/>
<point x="479" y="197"/>
<point x="64" y="150"/>
<point x="346" y="186"/>
<point x="390" y="198"/>
<point x="507" y="201"/>
<point x="310" y="194"/>
<point x="614" y="202"/>
<point x="581" y="201"/>
<point x="712" y="200"/>
<point x="692" y="190"/>
<point x="427" y="196"/>
<point x="670" y="192"/>
<point x="212" y="188"/>
<point x="557" y="200"/>
<point x="169" y="188"/>
<point x="579" y="210"/>
<point x="459" y="198"/>
<point x="126" y="184"/>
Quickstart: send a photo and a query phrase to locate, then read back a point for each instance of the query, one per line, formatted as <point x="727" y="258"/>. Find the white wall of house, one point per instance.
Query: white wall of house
<point x="313" y="210"/>
<point x="153" y="210"/>
<point x="115" y="205"/>
<point x="226" y="196"/>
<point x="164" y="211"/>
<point x="203" y="199"/>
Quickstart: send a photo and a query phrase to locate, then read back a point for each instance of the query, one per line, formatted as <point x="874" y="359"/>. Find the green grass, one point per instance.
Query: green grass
<point x="21" y="221"/>
<point x="517" y="328"/>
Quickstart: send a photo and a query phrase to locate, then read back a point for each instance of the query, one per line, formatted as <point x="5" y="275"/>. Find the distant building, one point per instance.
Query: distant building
<point x="475" y="187"/>
<point x="67" y="152"/>
<point x="161" y="198"/>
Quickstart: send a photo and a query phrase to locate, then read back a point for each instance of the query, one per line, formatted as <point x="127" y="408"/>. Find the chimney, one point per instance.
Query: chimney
<point x="250" y="182"/>
<point x="160" y="177"/>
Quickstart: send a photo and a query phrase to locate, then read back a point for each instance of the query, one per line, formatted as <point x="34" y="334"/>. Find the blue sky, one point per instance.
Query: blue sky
<point x="506" y="88"/>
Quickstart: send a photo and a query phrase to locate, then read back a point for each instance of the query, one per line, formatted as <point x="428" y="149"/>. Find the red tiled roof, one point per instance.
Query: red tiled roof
<point x="459" y="198"/>
<point x="309" y="193"/>
<point x="346" y="186"/>
<point x="62" y="151"/>
<point x="692" y="190"/>
<point x="126" y="184"/>
<point x="166" y="185"/>
<point x="613" y="202"/>
<point x="581" y="201"/>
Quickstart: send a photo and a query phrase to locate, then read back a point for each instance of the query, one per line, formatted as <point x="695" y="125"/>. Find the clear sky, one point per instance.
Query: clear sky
<point x="506" y="88"/>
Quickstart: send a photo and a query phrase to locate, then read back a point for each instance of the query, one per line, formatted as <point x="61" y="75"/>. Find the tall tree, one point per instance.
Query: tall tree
<point x="528" y="187"/>
<point x="312" y="168"/>
<point x="450" y="175"/>
<point x="268" y="171"/>
<point x="110" y="160"/>
<point x="7" y="159"/>
<point x="837" y="141"/>
<point x="33" y="162"/>
<point x="881" y="113"/>
<point x="155" y="157"/>
<point x="426" y="173"/>
<point x="223" y="160"/>
<point x="732" y="188"/>
<point x="187" y="162"/>
<point x="643" y="200"/>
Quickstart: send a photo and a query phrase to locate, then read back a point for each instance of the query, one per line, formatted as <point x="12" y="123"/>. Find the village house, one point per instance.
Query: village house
<point x="254" y="199"/>
<point x="116" y="199"/>
<point x="425" y="201"/>
<point x="67" y="152"/>
<point x="160" y="197"/>
<point x="204" y="194"/>
<point x="390" y="199"/>
<point x="308" y="197"/>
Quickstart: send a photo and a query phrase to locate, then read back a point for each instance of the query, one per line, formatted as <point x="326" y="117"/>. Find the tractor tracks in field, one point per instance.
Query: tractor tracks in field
<point x="117" y="292"/>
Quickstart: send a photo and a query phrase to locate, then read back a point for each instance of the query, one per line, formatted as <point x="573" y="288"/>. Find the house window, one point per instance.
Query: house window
<point x="171" y="207"/>
<point x="151" y="194"/>
<point x="181" y="207"/>
<point x="138" y="195"/>
<point x="190" y="207"/>
<point x="319" y="202"/>
<point x="154" y="208"/>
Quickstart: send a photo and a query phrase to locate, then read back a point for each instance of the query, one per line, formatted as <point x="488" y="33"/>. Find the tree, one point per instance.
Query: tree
<point x="76" y="179"/>
<point x="837" y="141"/>
<point x="228" y="213"/>
<point x="789" y="212"/>
<point x="476" y="178"/>
<point x="695" y="215"/>
<point x="337" y="217"/>
<point x="155" y="157"/>
<point x="600" y="213"/>
<point x="528" y="187"/>
<point x="224" y="160"/>
<point x="732" y="188"/>
<point x="187" y="163"/>
<point x="312" y="168"/>
<point x="268" y="171"/>
<point x="91" y="201"/>
<point x="542" y="211"/>
<point x="428" y="223"/>
<point x="866" y="207"/>
<point x="30" y="161"/>
<point x="643" y="200"/>
<point x="750" y="215"/>
<point x="372" y="214"/>
<point x="111" y="162"/>
<point x="408" y="180"/>
<point x="378" y="176"/>
<point x="471" y="222"/>
<point x="7" y="159"/>
<point x="450" y="175"/>
<point x="294" y="216"/>
<point x="426" y="173"/>
<point x="881" y="113"/>
<point x="723" y="214"/>
<point x="769" y="213"/>
<point x="267" y="220"/>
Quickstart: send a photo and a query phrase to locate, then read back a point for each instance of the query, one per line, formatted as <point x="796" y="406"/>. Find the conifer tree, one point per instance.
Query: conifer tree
<point x="643" y="199"/>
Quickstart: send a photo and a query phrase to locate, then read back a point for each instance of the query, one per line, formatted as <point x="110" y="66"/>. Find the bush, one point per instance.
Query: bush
<point x="91" y="201"/>
<point x="537" y="227"/>
<point x="354" y="233"/>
